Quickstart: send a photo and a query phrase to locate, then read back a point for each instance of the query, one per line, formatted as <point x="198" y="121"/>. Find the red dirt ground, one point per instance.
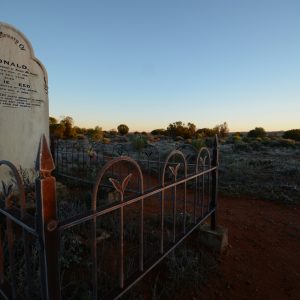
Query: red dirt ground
<point x="263" y="257"/>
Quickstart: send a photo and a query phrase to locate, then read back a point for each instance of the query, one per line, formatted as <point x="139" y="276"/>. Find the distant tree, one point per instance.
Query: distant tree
<point x="293" y="134"/>
<point x="52" y="121"/>
<point x="97" y="134"/>
<point x="123" y="129"/>
<point x="258" y="132"/>
<point x="223" y="130"/>
<point x="175" y="129"/>
<point x="67" y="122"/>
<point x="79" y="130"/>
<point x="205" y="132"/>
<point x="57" y="131"/>
<point x="191" y="130"/>
<point x="52" y="125"/>
<point x="178" y="129"/>
<point x="113" y="132"/>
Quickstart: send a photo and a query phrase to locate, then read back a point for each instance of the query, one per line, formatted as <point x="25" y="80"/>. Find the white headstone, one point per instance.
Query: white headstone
<point x="24" y="107"/>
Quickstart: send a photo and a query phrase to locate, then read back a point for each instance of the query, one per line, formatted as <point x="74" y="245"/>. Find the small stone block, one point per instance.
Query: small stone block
<point x="216" y="240"/>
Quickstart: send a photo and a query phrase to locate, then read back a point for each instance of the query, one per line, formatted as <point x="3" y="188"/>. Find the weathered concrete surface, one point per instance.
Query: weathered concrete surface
<point x="24" y="112"/>
<point x="216" y="240"/>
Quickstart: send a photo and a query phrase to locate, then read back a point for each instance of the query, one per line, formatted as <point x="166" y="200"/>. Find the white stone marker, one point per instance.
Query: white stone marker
<point x="24" y="107"/>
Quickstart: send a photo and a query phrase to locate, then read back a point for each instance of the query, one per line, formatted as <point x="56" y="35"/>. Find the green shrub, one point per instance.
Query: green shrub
<point x="258" y="132"/>
<point x="245" y="139"/>
<point x="293" y="134"/>
<point x="206" y="132"/>
<point x="256" y="145"/>
<point x="95" y="134"/>
<point x="123" y="129"/>
<point x="241" y="146"/>
<point x="279" y="142"/>
<point x="286" y="143"/>
<point x="139" y="142"/>
<point x="231" y="139"/>
<point x="236" y="139"/>
<point x="198" y="143"/>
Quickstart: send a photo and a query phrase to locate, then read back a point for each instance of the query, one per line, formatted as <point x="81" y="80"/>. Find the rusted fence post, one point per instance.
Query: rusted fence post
<point x="47" y="224"/>
<point x="214" y="194"/>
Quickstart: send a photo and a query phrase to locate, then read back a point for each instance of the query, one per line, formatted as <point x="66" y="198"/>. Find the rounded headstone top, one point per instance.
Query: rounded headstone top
<point x="13" y="40"/>
<point x="16" y="36"/>
<point x="24" y="105"/>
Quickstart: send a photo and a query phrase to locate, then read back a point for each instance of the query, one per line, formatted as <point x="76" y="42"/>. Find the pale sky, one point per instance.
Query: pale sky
<point x="151" y="63"/>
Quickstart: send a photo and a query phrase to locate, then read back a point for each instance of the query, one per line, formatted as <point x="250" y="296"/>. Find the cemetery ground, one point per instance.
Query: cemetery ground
<point x="261" y="262"/>
<point x="259" y="201"/>
<point x="259" y="204"/>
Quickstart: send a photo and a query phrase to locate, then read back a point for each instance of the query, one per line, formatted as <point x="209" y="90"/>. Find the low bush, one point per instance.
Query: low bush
<point x="293" y="134"/>
<point x="241" y="146"/>
<point x="139" y="142"/>
<point x="256" y="145"/>
<point x="279" y="142"/>
<point x="257" y="132"/>
<point x="198" y="143"/>
<point x="287" y="142"/>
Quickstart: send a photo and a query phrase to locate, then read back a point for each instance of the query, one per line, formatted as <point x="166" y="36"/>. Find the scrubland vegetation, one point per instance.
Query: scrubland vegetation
<point x="261" y="168"/>
<point x="255" y="164"/>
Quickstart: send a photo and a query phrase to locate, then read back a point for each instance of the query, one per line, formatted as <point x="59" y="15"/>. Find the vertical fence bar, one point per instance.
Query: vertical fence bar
<point x="203" y="190"/>
<point x="94" y="255"/>
<point x="57" y="159"/>
<point x="94" y="248"/>
<point x="141" y="223"/>
<point x="174" y="210"/>
<point x="214" y="194"/>
<point x="122" y="244"/>
<point x="47" y="224"/>
<point x="10" y="241"/>
<point x="1" y="256"/>
<point x="196" y="196"/>
<point x="142" y="236"/>
<point x="184" y="208"/>
<point x="162" y="216"/>
<point x="10" y="236"/>
<point x="26" y="239"/>
<point x="72" y="159"/>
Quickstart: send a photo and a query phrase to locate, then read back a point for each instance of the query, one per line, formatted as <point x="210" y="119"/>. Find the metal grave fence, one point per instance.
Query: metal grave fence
<point x="137" y="211"/>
